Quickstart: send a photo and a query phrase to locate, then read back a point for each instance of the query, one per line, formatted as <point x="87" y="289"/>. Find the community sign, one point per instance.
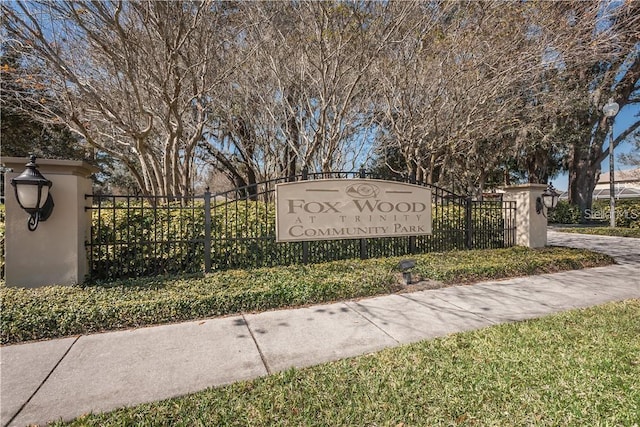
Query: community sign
<point x="330" y="209"/>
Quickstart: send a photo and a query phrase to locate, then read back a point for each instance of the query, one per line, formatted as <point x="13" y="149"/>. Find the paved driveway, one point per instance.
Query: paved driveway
<point x="625" y="250"/>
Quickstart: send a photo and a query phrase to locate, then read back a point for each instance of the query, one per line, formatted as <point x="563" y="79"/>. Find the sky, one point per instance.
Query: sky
<point x="627" y="115"/>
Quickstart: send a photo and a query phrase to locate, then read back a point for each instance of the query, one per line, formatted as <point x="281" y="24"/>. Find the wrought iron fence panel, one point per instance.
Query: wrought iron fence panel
<point x="493" y="224"/>
<point x="133" y="236"/>
<point x="143" y="236"/>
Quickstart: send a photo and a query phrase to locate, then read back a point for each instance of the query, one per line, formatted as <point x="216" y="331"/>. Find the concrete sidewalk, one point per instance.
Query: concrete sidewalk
<point x="65" y="378"/>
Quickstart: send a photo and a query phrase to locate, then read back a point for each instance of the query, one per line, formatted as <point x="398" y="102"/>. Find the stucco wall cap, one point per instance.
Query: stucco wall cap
<point x="521" y="187"/>
<point x="51" y="166"/>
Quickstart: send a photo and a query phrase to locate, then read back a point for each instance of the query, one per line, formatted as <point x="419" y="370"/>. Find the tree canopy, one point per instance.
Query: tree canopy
<point x="459" y="93"/>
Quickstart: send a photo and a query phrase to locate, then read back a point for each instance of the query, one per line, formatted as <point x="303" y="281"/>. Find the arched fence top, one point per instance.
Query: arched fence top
<point x="254" y="191"/>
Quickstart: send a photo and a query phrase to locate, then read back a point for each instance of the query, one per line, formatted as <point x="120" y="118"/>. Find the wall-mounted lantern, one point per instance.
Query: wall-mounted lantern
<point x="548" y="199"/>
<point x="32" y="193"/>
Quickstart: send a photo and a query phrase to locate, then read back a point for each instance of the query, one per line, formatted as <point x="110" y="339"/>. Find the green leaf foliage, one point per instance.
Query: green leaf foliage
<point x="57" y="311"/>
<point x="627" y="213"/>
<point x="134" y="238"/>
<point x="564" y="213"/>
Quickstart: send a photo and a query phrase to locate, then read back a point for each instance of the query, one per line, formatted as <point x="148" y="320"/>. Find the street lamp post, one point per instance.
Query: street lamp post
<point x="610" y="110"/>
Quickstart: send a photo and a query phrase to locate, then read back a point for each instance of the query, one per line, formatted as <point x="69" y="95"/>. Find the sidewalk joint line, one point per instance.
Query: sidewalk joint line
<point x="253" y="337"/>
<point x="371" y="321"/>
<point x="43" y="382"/>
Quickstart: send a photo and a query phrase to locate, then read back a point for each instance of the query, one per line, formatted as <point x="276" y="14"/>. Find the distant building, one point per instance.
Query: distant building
<point x="627" y="186"/>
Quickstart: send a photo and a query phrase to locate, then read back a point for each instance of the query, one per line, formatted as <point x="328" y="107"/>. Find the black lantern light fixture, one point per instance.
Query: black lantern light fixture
<point x="548" y="199"/>
<point x="32" y="193"/>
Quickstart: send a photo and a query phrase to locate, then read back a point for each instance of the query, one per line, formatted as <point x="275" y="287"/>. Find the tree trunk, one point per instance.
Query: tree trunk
<point x="583" y="172"/>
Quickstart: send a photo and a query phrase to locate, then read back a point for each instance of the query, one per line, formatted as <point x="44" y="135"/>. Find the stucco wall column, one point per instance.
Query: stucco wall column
<point x="531" y="227"/>
<point x="53" y="254"/>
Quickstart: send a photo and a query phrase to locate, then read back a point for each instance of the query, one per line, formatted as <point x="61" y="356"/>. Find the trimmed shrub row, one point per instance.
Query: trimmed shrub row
<point x="57" y="311"/>
<point x="627" y="213"/>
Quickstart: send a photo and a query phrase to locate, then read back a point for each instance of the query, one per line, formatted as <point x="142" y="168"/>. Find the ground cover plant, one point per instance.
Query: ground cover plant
<point x="604" y="231"/>
<point x="571" y="369"/>
<point x="57" y="311"/>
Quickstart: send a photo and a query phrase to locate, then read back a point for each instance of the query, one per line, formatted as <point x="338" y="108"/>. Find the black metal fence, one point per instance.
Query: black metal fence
<point x="142" y="236"/>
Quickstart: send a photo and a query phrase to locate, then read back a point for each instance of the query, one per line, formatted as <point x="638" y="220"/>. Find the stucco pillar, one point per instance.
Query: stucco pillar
<point x="531" y="227"/>
<point x="53" y="254"/>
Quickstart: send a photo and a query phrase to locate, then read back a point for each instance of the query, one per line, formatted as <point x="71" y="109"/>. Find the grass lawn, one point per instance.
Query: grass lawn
<point x="576" y="368"/>
<point x="604" y="231"/>
<point x="57" y="311"/>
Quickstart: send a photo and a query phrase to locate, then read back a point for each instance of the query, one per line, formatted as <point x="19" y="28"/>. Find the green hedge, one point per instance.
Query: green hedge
<point x="564" y="213"/>
<point x="135" y="238"/>
<point x="56" y="311"/>
<point x="627" y="213"/>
